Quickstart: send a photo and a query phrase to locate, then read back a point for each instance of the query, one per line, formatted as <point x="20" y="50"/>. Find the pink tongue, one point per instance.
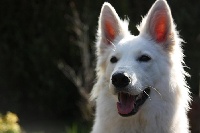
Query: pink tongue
<point x="126" y="103"/>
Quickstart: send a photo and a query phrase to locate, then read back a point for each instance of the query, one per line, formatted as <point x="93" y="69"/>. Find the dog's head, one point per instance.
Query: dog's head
<point x="135" y="65"/>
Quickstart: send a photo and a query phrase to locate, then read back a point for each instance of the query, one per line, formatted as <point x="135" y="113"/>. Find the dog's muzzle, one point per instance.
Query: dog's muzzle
<point x="127" y="104"/>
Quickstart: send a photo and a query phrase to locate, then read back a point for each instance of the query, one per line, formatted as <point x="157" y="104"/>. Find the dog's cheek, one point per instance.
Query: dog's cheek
<point x="158" y="69"/>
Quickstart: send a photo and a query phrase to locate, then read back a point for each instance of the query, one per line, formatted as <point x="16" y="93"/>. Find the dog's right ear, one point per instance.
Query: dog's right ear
<point x="158" y="24"/>
<point x="109" y="24"/>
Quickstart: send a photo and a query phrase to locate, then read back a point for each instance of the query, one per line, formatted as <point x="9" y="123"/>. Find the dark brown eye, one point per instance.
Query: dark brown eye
<point x="113" y="59"/>
<point x="144" y="58"/>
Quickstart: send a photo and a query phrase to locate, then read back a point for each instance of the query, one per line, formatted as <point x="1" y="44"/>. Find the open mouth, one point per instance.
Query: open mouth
<point x="129" y="104"/>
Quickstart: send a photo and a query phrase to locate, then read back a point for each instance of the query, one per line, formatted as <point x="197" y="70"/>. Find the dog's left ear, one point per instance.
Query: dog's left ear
<point x="158" y="24"/>
<point x="109" y="24"/>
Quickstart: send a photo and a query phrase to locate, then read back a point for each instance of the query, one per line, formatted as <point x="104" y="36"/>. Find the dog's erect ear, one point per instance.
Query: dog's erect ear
<point x="109" y="24"/>
<point x="158" y="22"/>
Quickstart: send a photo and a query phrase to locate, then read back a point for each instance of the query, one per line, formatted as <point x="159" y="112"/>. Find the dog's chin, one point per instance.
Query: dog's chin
<point x="129" y="105"/>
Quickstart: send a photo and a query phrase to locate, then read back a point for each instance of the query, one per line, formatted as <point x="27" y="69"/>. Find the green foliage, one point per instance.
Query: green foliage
<point x="8" y="123"/>
<point x="76" y="128"/>
<point x="73" y="129"/>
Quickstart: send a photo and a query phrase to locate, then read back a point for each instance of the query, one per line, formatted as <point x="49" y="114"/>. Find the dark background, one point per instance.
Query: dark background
<point x="35" y="35"/>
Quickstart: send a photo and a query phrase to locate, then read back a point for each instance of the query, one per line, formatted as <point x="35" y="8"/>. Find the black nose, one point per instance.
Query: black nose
<point x="120" y="79"/>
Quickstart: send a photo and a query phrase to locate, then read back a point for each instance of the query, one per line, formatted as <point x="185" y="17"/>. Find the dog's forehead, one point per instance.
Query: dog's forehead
<point x="134" y="44"/>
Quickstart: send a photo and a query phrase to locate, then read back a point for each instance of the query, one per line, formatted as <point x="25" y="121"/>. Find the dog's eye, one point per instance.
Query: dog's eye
<point x="144" y="58"/>
<point x="113" y="59"/>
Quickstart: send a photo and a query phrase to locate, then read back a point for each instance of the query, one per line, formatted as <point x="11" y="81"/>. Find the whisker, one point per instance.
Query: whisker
<point x="147" y="94"/>
<point x="156" y="91"/>
<point x="111" y="43"/>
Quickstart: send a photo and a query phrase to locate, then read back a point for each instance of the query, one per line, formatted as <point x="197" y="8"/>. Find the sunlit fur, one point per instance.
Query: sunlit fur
<point x="165" y="111"/>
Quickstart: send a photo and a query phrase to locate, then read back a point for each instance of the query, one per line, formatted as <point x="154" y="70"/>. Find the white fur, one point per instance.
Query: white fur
<point x="166" y="109"/>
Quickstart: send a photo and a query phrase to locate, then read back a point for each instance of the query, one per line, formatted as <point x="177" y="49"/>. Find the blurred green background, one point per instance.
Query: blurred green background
<point x="47" y="58"/>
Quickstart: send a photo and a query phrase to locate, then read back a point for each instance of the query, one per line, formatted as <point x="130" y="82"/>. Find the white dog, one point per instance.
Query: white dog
<point x="141" y="85"/>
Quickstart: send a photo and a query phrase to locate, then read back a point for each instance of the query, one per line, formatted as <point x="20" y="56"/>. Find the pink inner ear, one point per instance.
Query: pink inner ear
<point x="161" y="28"/>
<point x="110" y="32"/>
